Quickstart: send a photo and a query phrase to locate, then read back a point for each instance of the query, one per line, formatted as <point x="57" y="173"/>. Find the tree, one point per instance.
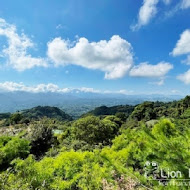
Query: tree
<point x="15" y="118"/>
<point x="93" y="130"/>
<point x="41" y="138"/>
<point x="144" y="111"/>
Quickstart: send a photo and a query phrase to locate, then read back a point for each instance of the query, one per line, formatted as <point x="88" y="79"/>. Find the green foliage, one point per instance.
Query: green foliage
<point x="69" y="170"/>
<point x="186" y="114"/>
<point x="144" y="111"/>
<point x="46" y="111"/>
<point x="100" y="153"/>
<point x="164" y="128"/>
<point x="11" y="148"/>
<point x="41" y="138"/>
<point x="118" y="166"/>
<point x="155" y="110"/>
<point x="93" y="130"/>
<point x="15" y="118"/>
<point x="120" y="111"/>
<point x="4" y="115"/>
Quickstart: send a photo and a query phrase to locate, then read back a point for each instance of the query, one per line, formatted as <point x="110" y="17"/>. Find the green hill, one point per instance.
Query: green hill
<point x="45" y="111"/>
<point x="147" y="110"/>
<point x="104" y="110"/>
<point x="155" y="110"/>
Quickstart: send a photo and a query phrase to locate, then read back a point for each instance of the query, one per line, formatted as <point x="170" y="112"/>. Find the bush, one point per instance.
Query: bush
<point x="15" y="118"/>
<point x="93" y="130"/>
<point x="11" y="148"/>
<point x="41" y="138"/>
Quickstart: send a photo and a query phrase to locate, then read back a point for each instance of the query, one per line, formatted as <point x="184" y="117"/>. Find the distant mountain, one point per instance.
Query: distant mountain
<point x="74" y="103"/>
<point x="45" y="111"/>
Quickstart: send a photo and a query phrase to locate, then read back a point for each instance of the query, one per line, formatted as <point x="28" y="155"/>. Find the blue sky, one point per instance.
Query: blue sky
<point x="124" y="46"/>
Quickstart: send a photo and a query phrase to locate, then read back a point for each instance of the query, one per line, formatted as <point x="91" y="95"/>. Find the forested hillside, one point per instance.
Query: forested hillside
<point x="121" y="111"/>
<point x="109" y="148"/>
<point x="45" y="111"/>
<point x="36" y="113"/>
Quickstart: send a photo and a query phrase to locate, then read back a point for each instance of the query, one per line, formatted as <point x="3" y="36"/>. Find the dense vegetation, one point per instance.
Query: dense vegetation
<point x="46" y="111"/>
<point x="121" y="111"/>
<point x="105" y="149"/>
<point x="36" y="113"/>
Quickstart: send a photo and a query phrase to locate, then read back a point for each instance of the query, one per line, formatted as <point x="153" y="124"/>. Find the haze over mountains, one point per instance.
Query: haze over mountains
<point x="74" y="102"/>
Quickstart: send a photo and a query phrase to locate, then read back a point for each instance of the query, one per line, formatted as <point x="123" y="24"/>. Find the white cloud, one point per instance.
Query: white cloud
<point x="12" y="86"/>
<point x="16" y="51"/>
<point x="148" y="70"/>
<point x="114" y="57"/>
<point x="185" y="4"/>
<point x="147" y="11"/>
<point x="183" y="44"/>
<point x="9" y="86"/>
<point x="180" y="6"/>
<point x="186" y="61"/>
<point x="185" y="77"/>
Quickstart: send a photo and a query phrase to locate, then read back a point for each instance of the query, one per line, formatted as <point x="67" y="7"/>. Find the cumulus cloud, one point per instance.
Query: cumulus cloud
<point x="185" y="77"/>
<point x="183" y="44"/>
<point x="10" y="86"/>
<point x="16" y="52"/>
<point x="147" y="11"/>
<point x="114" y="57"/>
<point x="147" y="70"/>
<point x="13" y="86"/>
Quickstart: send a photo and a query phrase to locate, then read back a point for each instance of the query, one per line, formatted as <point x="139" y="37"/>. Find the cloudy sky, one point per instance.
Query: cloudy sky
<point x="123" y="46"/>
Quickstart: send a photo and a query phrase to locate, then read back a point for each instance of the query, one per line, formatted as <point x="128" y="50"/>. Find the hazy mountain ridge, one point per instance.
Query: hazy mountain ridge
<point x="74" y="103"/>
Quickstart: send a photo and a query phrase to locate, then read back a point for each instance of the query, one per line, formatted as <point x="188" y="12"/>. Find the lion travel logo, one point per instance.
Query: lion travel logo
<point x="152" y="171"/>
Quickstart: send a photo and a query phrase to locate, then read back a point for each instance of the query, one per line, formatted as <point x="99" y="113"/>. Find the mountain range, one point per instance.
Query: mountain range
<point x="75" y="103"/>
